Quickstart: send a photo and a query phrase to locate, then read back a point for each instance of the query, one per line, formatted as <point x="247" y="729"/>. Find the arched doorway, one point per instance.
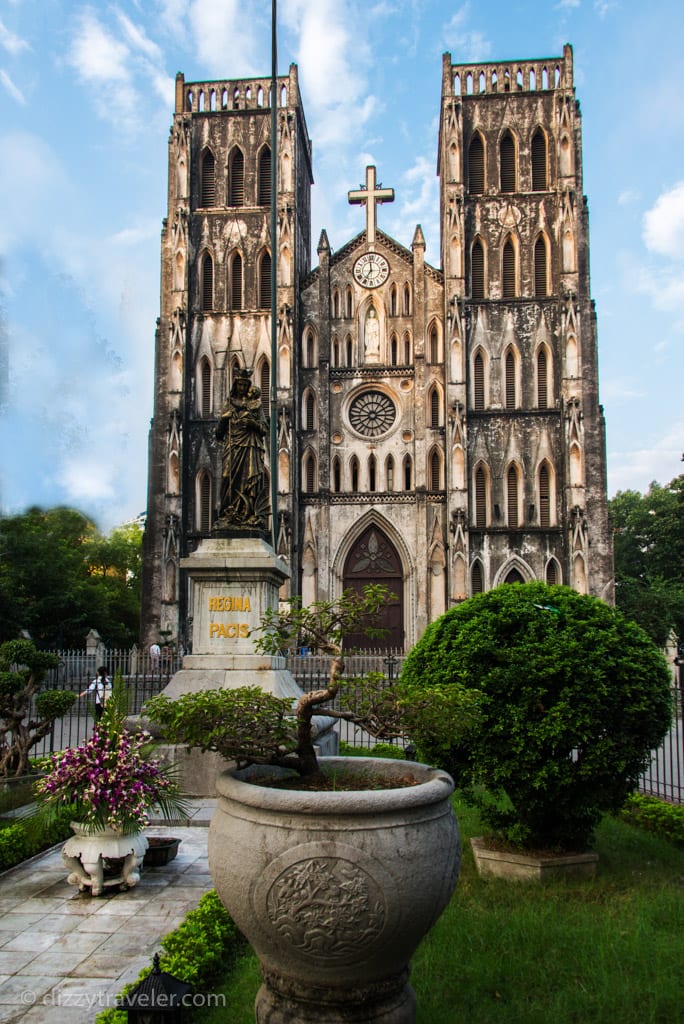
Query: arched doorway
<point x="374" y="559"/>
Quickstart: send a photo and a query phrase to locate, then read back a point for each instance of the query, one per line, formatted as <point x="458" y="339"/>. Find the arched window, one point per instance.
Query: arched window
<point x="204" y="503"/>
<point x="337" y="476"/>
<point x="205" y="388"/>
<point x="544" y="496"/>
<point x="542" y="379"/>
<point x="512" y="498"/>
<point x="407" y="300"/>
<point x="235" y="282"/>
<point x="509" y="392"/>
<point x="236" y="178"/>
<point x="476" y="578"/>
<point x="207" y="282"/>
<point x="348" y="346"/>
<point x="433" y="344"/>
<point x="372" y="473"/>
<point x="265" y="281"/>
<point x="477" y="270"/>
<point x="508" y="274"/>
<point x="348" y="302"/>
<point x="435" y="408"/>
<point x="309" y="412"/>
<point x="264" y="177"/>
<point x="393" y="300"/>
<point x="507" y="163"/>
<point x="336" y="352"/>
<point x="478" y="383"/>
<point x="476" y="166"/>
<point x="208" y="179"/>
<point x="265" y="386"/>
<point x="354" y="466"/>
<point x="480" y="498"/>
<point x="310" y="349"/>
<point x="408" y="473"/>
<point x="309" y="473"/>
<point x="553" y="576"/>
<point x="393" y="350"/>
<point x="541" y="285"/>
<point x="539" y="162"/>
<point x="435" y="469"/>
<point x="389" y="473"/>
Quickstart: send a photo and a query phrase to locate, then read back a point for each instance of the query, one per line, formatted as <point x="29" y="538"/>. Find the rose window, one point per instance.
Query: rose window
<point x="372" y="413"/>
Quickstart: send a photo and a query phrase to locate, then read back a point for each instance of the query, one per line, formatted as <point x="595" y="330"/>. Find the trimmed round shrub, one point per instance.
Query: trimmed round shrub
<point x="572" y="700"/>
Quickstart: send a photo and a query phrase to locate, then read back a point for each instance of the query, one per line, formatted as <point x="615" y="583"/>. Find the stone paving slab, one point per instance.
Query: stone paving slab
<point x="66" y="955"/>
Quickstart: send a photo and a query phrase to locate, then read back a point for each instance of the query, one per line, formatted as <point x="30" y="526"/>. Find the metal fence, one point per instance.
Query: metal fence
<point x="665" y="775"/>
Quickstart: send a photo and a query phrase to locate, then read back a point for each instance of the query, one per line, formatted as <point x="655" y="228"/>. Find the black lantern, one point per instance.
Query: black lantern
<point x="157" y="999"/>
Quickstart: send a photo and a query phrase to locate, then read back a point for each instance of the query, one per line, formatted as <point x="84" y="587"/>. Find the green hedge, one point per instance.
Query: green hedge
<point x="28" y="836"/>
<point x="198" y="951"/>
<point x="654" y="815"/>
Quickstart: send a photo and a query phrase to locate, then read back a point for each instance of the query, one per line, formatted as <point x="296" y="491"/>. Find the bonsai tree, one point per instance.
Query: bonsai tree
<point x="572" y="700"/>
<point x="249" y="726"/>
<point x="27" y="713"/>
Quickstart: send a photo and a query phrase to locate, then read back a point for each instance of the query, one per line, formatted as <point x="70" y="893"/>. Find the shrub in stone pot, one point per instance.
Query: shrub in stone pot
<point x="333" y="869"/>
<point x="572" y="699"/>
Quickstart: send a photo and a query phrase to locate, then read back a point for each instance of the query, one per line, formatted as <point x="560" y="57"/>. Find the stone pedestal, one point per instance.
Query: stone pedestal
<point x="234" y="581"/>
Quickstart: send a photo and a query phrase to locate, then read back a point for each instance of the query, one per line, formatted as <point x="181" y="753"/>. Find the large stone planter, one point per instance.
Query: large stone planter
<point x="527" y="867"/>
<point x="335" y="890"/>
<point x="106" y="858"/>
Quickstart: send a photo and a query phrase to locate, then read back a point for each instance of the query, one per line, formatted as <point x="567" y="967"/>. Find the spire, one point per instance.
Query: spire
<point x="323" y="243"/>
<point x="418" y="238"/>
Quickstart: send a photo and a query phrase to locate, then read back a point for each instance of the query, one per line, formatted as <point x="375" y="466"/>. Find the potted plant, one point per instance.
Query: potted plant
<point x="335" y="868"/>
<point x="110" y="787"/>
<point x="572" y="698"/>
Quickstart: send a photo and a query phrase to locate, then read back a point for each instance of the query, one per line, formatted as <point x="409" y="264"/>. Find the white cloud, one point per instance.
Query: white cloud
<point x="95" y="54"/>
<point x="567" y="4"/>
<point x="138" y="39"/>
<point x="628" y="197"/>
<point x="11" y="88"/>
<point x="664" y="223"/>
<point x="227" y="42"/>
<point x="463" y="43"/>
<point x="11" y="42"/>
<point x="636" y="468"/>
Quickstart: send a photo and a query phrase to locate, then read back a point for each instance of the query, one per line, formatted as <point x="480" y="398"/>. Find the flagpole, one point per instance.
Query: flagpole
<point x="274" y="280"/>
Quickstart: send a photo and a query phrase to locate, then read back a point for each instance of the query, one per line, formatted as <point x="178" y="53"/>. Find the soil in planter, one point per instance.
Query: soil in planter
<point x="334" y="780"/>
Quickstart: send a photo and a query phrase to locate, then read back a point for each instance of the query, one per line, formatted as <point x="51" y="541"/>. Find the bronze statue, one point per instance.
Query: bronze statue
<point x="242" y="428"/>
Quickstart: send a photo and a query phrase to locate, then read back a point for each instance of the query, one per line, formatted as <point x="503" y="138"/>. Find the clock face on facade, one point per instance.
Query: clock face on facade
<point x="371" y="270"/>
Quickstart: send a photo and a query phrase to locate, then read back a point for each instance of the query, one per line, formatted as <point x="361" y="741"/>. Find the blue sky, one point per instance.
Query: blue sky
<point x="86" y="102"/>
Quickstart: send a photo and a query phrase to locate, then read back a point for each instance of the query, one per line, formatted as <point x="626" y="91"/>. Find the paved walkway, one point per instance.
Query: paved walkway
<point x="64" y="956"/>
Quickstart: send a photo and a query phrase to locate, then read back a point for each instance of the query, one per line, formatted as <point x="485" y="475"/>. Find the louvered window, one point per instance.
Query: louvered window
<point x="476" y="166"/>
<point x="507" y="163"/>
<point x="408" y="473"/>
<point x="508" y="270"/>
<point x="478" y="383"/>
<point x="208" y="179"/>
<point x="309" y="418"/>
<point x="310" y="475"/>
<point x="544" y="497"/>
<point x="235" y="290"/>
<point x="542" y="380"/>
<point x="477" y="266"/>
<point x="552" y="575"/>
<point x="476" y="582"/>
<point x="207" y="282"/>
<point x="204" y="518"/>
<point x="236" y="184"/>
<point x="510" y="380"/>
<point x="265" y="281"/>
<point x="372" y="473"/>
<point x="539" y="172"/>
<point x="540" y="270"/>
<point x="434" y="408"/>
<point x="205" y="384"/>
<point x="435" y="467"/>
<point x="265" y="385"/>
<point x="480" y="499"/>
<point x="512" y="498"/>
<point x="264" y="178"/>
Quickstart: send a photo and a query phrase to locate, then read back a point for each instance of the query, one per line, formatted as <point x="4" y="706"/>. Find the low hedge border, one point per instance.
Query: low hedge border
<point x="24" y="838"/>
<point x="196" y="952"/>
<point x="655" y="815"/>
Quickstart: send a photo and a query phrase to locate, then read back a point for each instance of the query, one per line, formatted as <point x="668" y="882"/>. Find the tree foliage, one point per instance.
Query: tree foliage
<point x="572" y="698"/>
<point x="649" y="554"/>
<point x="60" y="577"/>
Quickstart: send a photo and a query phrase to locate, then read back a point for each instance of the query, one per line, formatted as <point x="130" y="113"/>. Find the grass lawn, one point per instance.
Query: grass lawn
<point x="596" y="952"/>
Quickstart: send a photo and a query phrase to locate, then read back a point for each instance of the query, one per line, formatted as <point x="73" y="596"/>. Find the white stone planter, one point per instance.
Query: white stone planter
<point x="335" y="890"/>
<point x="87" y="855"/>
<point x="524" y="867"/>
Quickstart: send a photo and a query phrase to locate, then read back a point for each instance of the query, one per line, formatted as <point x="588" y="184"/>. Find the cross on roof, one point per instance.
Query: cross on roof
<point x="368" y="197"/>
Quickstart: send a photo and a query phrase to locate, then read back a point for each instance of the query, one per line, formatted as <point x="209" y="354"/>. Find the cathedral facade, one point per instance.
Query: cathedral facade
<point x="438" y="428"/>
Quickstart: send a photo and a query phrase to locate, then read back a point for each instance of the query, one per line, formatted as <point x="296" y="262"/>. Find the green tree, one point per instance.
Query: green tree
<point x="572" y="699"/>
<point x="59" y="577"/>
<point x="649" y="557"/>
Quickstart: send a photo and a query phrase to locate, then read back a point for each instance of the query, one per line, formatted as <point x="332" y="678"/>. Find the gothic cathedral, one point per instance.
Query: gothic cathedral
<point x="438" y="428"/>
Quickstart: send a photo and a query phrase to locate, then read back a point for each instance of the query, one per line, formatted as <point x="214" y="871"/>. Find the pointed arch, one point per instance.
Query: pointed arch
<point x="435" y="407"/>
<point x="476" y="165"/>
<point x="207" y="293"/>
<point x="541" y="267"/>
<point x="235" y="282"/>
<point x="394" y="350"/>
<point x="174" y="473"/>
<point x="264" y="176"/>
<point x="509" y="269"/>
<point x="348" y="303"/>
<point x="348" y="350"/>
<point x="372" y="473"/>
<point x="203" y="501"/>
<point x="264" y="378"/>
<point x="309" y="348"/>
<point x="389" y="473"/>
<point x="576" y="473"/>
<point x="477" y="270"/>
<point x="546" y="491"/>
<point x="337" y="475"/>
<point x="207" y="178"/>
<point x="481" y="492"/>
<point x="552" y="573"/>
<point x="236" y="177"/>
<point x="480" y="394"/>
<point x="354" y="473"/>
<point x="477" y="577"/>
<point x="309" y="472"/>
<point x="434" y="342"/>
<point x="579" y="574"/>
<point x="393" y="300"/>
<point x="544" y="385"/>
<point x="309" y="410"/>
<point x="336" y="303"/>
<point x="264" y="267"/>
<point x="407" y="348"/>
<point x="513" y="504"/>
<point x="204" y="391"/>
<point x="434" y="468"/>
<point x="407" y="300"/>
<point x="408" y="473"/>
<point x="511" y="389"/>
<point x="540" y="160"/>
<point x="507" y="162"/>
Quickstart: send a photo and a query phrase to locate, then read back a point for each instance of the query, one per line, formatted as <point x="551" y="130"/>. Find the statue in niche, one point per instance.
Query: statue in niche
<point x="372" y="334"/>
<point x="244" y="504"/>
